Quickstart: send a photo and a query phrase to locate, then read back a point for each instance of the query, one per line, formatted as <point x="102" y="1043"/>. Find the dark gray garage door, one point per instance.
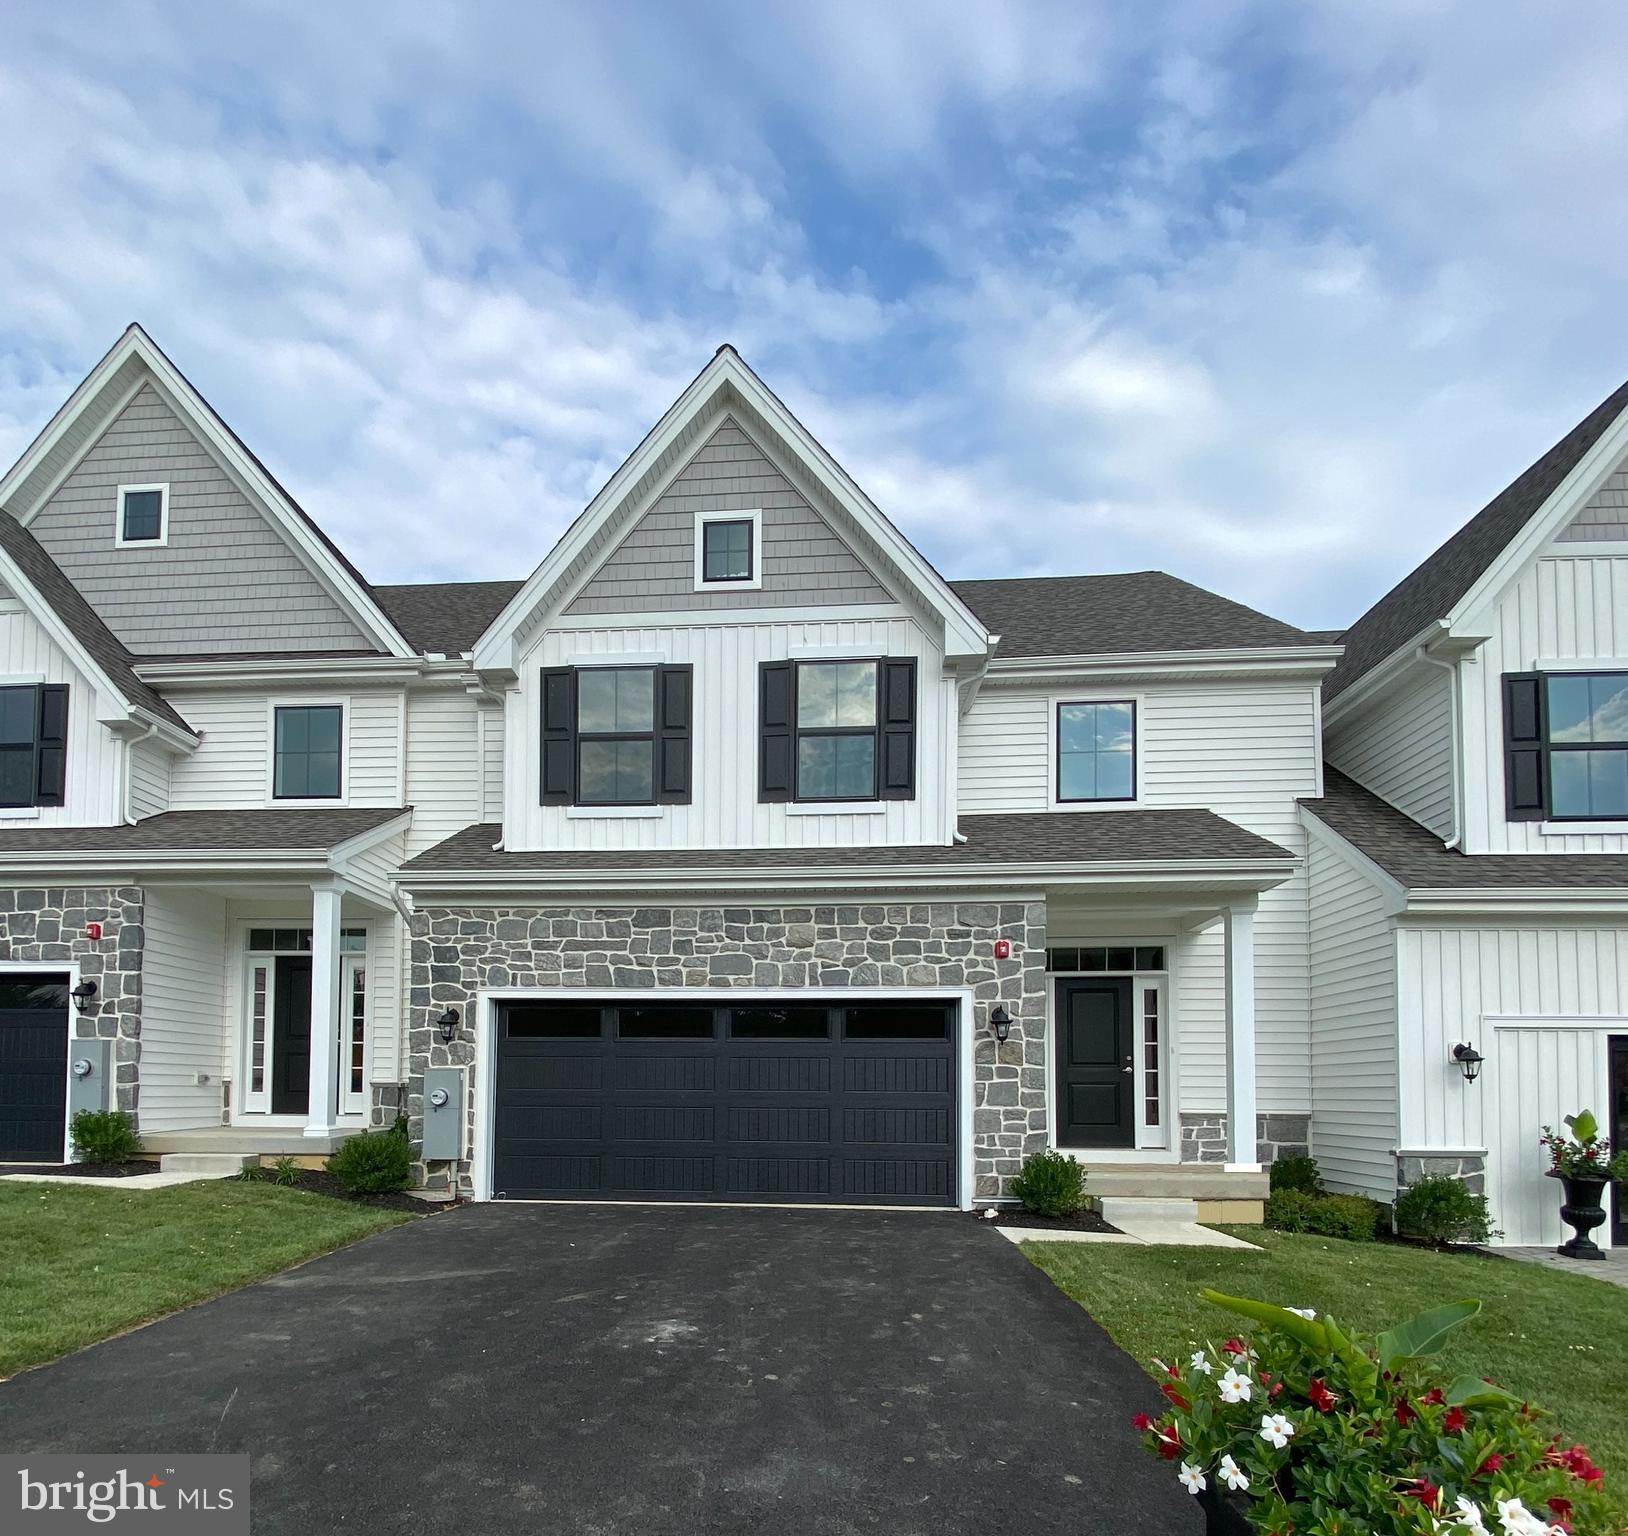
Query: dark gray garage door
<point x="33" y="1067"/>
<point x="813" y="1101"/>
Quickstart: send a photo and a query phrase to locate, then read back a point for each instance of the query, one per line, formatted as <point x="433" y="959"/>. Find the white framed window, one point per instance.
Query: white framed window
<point x="142" y="516"/>
<point x="307" y="759"/>
<point x="729" y="551"/>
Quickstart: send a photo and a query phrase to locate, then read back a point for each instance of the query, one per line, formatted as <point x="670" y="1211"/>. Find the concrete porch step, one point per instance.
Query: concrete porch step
<point x="1117" y="1210"/>
<point x="1173" y="1181"/>
<point x="209" y="1165"/>
<point x="246" y="1141"/>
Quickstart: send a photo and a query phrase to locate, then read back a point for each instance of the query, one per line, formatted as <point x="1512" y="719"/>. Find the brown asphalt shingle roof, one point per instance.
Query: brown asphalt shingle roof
<point x="1063" y="838"/>
<point x="1415" y="857"/>
<point x="66" y="601"/>
<point x="1429" y="591"/>
<point x="248" y="831"/>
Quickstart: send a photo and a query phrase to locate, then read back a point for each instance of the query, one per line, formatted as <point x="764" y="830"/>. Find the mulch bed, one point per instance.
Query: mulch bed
<point x="1082" y="1221"/>
<point x="317" y="1181"/>
<point x="126" y="1170"/>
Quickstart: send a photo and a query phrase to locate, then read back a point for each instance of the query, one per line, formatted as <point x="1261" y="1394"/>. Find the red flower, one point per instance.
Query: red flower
<point x="1490" y="1465"/>
<point x="1143" y="1422"/>
<point x="1235" y="1346"/>
<point x="1425" y="1491"/>
<point x="1172" y="1373"/>
<point x="1404" y="1412"/>
<point x="1169" y="1444"/>
<point x="1320" y="1397"/>
<point x="1173" y="1392"/>
<point x="1560" y="1508"/>
<point x="1434" y="1396"/>
<point x="1456" y="1419"/>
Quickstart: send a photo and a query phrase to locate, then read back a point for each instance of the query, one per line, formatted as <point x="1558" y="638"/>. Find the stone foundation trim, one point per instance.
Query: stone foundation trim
<point x="1466" y="1164"/>
<point x="1204" y="1137"/>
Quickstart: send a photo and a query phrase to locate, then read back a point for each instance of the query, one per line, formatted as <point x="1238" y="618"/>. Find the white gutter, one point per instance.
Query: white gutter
<point x="1303" y="659"/>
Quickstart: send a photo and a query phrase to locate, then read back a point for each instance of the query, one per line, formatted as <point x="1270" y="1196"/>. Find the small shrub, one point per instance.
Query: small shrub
<point x="1444" y="1210"/>
<point x="1353" y="1217"/>
<point x="285" y="1171"/>
<point x="104" y="1136"/>
<point x="1050" y="1184"/>
<point x="254" y="1174"/>
<point x="1297" y="1173"/>
<point x="373" y="1163"/>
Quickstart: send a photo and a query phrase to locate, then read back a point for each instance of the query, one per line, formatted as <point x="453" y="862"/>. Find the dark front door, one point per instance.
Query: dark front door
<point x="291" y="1037"/>
<point x="785" y="1100"/>
<point x="1618" y="1123"/>
<point x="1096" y="1069"/>
<point x="33" y="1067"/>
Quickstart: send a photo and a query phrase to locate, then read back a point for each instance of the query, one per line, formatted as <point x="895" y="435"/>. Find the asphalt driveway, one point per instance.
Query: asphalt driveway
<point x="614" y="1370"/>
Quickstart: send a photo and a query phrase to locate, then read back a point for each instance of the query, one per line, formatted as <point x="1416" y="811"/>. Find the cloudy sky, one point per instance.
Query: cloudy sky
<point x="1269" y="295"/>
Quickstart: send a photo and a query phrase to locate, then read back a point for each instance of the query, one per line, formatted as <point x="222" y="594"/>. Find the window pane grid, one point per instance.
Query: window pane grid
<point x="1587" y="745"/>
<point x="1150" y="1055"/>
<point x="143" y="516"/>
<point x="616" y="741"/>
<point x="358" y="1027"/>
<point x="726" y="551"/>
<point x="1096" y="751"/>
<point x="307" y="745"/>
<point x="836" y="730"/>
<point x="1103" y="957"/>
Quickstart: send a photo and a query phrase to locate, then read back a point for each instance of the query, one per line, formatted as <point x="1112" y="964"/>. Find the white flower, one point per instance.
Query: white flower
<point x="1469" y="1516"/>
<point x="1518" y="1520"/>
<point x="1233" y="1475"/>
<point x="1234" y="1388"/>
<point x="1194" y="1478"/>
<point x="1305" y="1312"/>
<point x="1276" y="1429"/>
<point x="1201" y="1362"/>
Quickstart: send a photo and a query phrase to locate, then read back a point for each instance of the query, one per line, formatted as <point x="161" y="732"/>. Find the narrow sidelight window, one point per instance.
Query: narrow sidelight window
<point x="616" y="736"/>
<point x="1096" y="751"/>
<point x="307" y="763"/>
<point x="33" y="744"/>
<point x="726" y="551"/>
<point x="143" y="514"/>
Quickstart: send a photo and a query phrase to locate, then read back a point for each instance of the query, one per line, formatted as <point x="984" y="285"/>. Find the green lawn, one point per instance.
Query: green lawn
<point x="1560" y="1339"/>
<point x="79" y="1263"/>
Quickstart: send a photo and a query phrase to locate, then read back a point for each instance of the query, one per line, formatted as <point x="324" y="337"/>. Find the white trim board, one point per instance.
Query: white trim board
<point x="1610" y="1021"/>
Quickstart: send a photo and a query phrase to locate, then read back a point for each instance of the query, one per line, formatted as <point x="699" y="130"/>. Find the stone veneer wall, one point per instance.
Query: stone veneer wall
<point x="1470" y="1167"/>
<point x="1204" y="1137"/>
<point x="458" y="951"/>
<point x="45" y="926"/>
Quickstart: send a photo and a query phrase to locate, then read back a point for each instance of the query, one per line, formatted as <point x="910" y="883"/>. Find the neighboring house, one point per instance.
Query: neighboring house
<point x="1469" y="858"/>
<point x="737" y="854"/>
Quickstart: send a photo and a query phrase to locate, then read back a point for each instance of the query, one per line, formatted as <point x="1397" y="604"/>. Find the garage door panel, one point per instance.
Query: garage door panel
<point x="732" y="1116"/>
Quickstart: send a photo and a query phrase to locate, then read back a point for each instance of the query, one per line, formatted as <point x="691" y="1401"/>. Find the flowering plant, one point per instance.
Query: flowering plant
<point x="1316" y="1432"/>
<point x="1585" y="1154"/>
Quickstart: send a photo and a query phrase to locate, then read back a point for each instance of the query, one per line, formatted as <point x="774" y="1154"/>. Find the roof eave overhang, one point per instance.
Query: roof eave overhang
<point x="1427" y="904"/>
<point x="1175" y="876"/>
<point x="1309" y="662"/>
<point x="247" y="671"/>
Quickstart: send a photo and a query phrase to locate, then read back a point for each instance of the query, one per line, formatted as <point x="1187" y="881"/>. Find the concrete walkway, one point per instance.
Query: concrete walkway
<point x="1613" y="1269"/>
<point x="134" y="1181"/>
<point x="1147" y="1233"/>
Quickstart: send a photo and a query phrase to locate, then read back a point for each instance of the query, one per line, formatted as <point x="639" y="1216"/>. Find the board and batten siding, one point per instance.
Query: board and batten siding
<point x="1246" y="751"/>
<point x="185" y="1031"/>
<point x="805" y="562"/>
<point x="1463" y="983"/>
<point x="93" y="792"/>
<point x="1352" y="947"/>
<point x="225" y="582"/>
<point x="231" y="767"/>
<point x="724" y="811"/>
<point x="1402" y="749"/>
<point x="1560" y="608"/>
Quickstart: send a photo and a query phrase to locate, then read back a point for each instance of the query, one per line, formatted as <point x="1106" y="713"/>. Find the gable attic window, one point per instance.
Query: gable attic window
<point x="1566" y="746"/>
<point x="729" y="550"/>
<point x="144" y="515"/>
<point x="33" y="745"/>
<point x="616" y="736"/>
<point x="307" y="751"/>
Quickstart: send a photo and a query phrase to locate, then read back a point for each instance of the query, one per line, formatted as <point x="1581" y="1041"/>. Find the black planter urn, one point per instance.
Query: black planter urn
<point x="1583" y="1209"/>
<point x="1224" y="1512"/>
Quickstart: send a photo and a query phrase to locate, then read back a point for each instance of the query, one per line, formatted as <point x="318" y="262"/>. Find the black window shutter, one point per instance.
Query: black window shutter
<point x="51" y="784"/>
<point x="1524" y="788"/>
<point x="559" y="767"/>
<point x="673" y="735"/>
<point x="896" y="725"/>
<point x="774" y="705"/>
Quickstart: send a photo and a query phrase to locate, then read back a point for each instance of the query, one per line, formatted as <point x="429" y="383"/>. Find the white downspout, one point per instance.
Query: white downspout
<point x="129" y="767"/>
<point x="1456" y="759"/>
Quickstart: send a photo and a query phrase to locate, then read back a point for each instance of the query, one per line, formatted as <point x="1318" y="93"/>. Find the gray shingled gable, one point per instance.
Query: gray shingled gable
<point x="69" y="605"/>
<point x="1099" y="837"/>
<point x="1415" y="857"/>
<point x="1429" y="592"/>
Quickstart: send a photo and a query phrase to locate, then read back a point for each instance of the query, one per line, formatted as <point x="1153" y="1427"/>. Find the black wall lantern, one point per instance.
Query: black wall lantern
<point x="449" y="1024"/>
<point x="1469" y="1061"/>
<point x="82" y="994"/>
<point x="1001" y="1022"/>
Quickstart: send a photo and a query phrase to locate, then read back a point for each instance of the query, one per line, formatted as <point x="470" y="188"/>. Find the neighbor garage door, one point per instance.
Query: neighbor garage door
<point x="818" y="1101"/>
<point x="33" y="1067"/>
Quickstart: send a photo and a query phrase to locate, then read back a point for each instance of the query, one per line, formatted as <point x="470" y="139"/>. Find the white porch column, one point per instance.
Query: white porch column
<point x="1239" y="928"/>
<point x="321" y="1110"/>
